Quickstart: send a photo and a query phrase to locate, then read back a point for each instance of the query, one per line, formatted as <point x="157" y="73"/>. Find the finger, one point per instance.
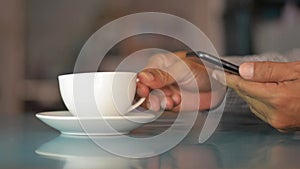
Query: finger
<point x="155" y="78"/>
<point x="173" y="98"/>
<point x="189" y="101"/>
<point x="249" y="88"/>
<point x="173" y="92"/>
<point x="167" y="91"/>
<point x="158" y="100"/>
<point x="269" y="71"/>
<point x="142" y="90"/>
<point x="153" y="103"/>
<point x="165" y="97"/>
<point x="176" y="99"/>
<point x="260" y="108"/>
<point x="167" y="103"/>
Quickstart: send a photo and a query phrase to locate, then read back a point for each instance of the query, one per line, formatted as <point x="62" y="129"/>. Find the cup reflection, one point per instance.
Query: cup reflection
<point x="81" y="152"/>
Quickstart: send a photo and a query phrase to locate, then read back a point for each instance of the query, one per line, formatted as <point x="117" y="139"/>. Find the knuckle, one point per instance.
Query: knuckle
<point x="269" y="70"/>
<point x="163" y="76"/>
<point x="159" y="74"/>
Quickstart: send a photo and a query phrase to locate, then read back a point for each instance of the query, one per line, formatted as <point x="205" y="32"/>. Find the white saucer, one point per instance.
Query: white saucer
<point x="108" y="125"/>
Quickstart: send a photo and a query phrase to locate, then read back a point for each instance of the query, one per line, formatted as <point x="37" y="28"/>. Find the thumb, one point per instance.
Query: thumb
<point x="268" y="71"/>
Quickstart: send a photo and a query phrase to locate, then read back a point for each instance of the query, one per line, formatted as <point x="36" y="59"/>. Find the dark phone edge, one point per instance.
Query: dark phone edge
<point x="221" y="63"/>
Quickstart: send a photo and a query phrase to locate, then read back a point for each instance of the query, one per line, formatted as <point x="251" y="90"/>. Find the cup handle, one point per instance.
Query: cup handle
<point x="137" y="104"/>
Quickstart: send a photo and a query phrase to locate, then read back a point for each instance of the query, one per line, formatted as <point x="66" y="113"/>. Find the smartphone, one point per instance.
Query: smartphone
<point x="221" y="63"/>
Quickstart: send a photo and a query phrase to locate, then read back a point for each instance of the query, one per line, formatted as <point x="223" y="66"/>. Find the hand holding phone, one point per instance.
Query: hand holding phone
<point x="221" y="63"/>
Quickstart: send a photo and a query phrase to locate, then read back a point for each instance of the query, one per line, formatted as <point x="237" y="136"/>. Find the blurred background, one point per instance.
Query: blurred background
<point x="41" y="39"/>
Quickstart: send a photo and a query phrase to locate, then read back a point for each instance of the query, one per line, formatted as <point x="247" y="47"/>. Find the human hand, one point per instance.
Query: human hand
<point x="272" y="91"/>
<point x="167" y="72"/>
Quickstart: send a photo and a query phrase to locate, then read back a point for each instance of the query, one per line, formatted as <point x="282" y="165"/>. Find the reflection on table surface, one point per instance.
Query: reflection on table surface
<point x="28" y="143"/>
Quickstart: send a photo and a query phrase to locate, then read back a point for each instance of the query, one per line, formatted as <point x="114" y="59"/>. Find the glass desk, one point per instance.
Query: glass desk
<point x="26" y="142"/>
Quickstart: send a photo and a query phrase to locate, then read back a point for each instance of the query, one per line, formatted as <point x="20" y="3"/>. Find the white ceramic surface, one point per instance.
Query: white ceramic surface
<point x="99" y="93"/>
<point x="66" y="123"/>
<point x="82" y="152"/>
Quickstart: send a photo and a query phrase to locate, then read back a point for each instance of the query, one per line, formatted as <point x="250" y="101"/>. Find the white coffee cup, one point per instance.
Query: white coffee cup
<point x="99" y="94"/>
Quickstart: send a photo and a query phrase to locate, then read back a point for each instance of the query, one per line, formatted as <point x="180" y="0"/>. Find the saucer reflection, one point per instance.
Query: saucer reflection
<point x="82" y="152"/>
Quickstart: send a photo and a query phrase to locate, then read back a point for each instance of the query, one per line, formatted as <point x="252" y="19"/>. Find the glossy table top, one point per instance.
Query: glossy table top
<point x="26" y="142"/>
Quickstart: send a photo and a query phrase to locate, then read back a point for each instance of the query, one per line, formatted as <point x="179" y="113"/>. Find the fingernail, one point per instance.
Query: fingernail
<point x="147" y="76"/>
<point x="219" y="76"/>
<point x="247" y="70"/>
